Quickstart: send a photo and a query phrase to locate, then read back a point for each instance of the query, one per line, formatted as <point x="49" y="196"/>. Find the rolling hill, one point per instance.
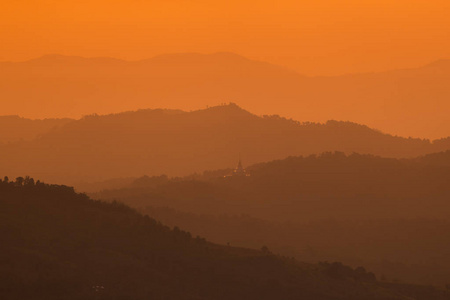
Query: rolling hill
<point x="59" y="244"/>
<point x="178" y="143"/>
<point x="391" y="215"/>
<point x="316" y="187"/>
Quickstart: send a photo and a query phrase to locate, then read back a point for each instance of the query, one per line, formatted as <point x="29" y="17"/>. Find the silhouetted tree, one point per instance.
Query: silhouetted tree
<point x="28" y="181"/>
<point x="19" y="181"/>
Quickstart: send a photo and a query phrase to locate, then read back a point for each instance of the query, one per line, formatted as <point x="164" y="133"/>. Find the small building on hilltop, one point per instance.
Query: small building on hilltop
<point x="239" y="170"/>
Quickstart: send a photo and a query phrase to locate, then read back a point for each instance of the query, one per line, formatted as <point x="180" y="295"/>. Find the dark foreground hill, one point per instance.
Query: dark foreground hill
<point x="178" y="143"/>
<point x="57" y="244"/>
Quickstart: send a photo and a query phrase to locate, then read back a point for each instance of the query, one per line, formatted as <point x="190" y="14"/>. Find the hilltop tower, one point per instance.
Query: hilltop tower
<point x="239" y="170"/>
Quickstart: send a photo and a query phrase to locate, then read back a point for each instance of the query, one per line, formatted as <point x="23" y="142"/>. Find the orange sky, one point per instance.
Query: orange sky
<point x="313" y="37"/>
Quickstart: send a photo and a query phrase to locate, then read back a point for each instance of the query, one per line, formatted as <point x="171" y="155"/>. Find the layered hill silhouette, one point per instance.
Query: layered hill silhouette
<point x="396" y="249"/>
<point x="59" y="244"/>
<point x="389" y="214"/>
<point x="178" y="143"/>
<point x="412" y="102"/>
<point x="15" y="128"/>
<point x="330" y="185"/>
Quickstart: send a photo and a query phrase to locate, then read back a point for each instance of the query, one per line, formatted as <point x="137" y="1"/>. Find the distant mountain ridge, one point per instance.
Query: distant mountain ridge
<point x="410" y="102"/>
<point x="178" y="143"/>
<point x="15" y="128"/>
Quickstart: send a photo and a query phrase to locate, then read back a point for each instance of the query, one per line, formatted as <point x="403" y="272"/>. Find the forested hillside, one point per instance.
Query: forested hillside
<point x="395" y="249"/>
<point x="57" y="244"/>
<point x="389" y="214"/>
<point x="330" y="185"/>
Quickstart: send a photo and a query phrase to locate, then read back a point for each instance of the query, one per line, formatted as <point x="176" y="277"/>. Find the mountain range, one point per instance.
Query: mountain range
<point x="178" y="143"/>
<point x="410" y="102"/>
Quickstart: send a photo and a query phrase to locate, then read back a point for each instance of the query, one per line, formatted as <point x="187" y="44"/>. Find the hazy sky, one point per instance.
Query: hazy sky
<point x="313" y="37"/>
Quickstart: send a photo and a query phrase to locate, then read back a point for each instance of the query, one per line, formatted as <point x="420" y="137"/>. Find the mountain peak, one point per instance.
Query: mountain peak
<point x="230" y="108"/>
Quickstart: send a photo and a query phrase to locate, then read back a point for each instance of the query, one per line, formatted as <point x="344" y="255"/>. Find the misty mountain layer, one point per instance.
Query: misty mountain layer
<point x="412" y="102"/>
<point x="179" y="143"/>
